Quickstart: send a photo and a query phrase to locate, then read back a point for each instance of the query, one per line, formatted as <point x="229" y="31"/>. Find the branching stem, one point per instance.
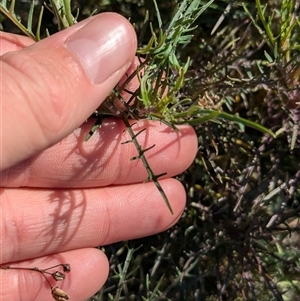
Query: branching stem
<point x="141" y="155"/>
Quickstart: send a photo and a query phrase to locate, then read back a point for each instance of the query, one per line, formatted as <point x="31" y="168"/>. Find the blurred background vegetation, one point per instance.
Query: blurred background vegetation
<point x="238" y="238"/>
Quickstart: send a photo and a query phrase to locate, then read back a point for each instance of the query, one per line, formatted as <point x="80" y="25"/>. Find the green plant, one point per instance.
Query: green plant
<point x="239" y="235"/>
<point x="160" y="95"/>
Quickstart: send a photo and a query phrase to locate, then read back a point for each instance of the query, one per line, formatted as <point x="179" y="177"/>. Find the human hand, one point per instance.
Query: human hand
<point x="62" y="196"/>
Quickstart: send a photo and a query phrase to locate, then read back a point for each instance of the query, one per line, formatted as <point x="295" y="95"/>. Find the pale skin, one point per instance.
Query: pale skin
<point x="61" y="196"/>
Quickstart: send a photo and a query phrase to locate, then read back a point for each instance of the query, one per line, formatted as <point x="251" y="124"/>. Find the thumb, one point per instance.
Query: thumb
<point x="51" y="87"/>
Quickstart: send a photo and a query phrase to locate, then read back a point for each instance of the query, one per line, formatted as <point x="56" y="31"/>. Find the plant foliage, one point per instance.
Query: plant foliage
<point x="226" y="68"/>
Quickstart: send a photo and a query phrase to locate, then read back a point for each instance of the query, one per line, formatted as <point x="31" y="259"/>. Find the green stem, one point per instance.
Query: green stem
<point x="13" y="19"/>
<point x="68" y="12"/>
<point x="267" y="28"/>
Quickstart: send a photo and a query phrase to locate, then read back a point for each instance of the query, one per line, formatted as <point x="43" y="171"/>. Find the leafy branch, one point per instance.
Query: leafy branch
<point x="162" y="76"/>
<point x="9" y="12"/>
<point x="239" y="233"/>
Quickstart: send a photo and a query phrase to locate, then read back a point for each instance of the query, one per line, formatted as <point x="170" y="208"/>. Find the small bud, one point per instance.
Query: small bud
<point x="66" y="267"/>
<point x="59" y="295"/>
<point x="58" y="276"/>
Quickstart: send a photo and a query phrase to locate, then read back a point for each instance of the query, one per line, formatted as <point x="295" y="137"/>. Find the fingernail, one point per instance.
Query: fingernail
<point x="103" y="46"/>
